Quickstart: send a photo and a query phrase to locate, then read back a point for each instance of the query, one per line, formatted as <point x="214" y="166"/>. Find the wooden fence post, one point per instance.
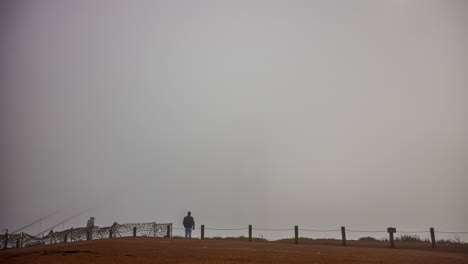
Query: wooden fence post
<point x="22" y="239"/>
<point x="65" y="238"/>
<point x="134" y="231"/>
<point x="18" y="243"/>
<point x="110" y="232"/>
<point x="390" y="231"/>
<point x="433" y="237"/>
<point x="202" y="235"/>
<point x="296" y="234"/>
<point x="343" y="235"/>
<point x="250" y="233"/>
<point x="168" y="230"/>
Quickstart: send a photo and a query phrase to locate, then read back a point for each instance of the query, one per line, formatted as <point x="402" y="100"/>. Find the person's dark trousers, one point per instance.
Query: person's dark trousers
<point x="188" y="232"/>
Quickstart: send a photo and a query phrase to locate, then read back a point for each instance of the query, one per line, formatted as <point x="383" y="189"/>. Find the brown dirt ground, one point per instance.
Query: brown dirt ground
<point x="172" y="250"/>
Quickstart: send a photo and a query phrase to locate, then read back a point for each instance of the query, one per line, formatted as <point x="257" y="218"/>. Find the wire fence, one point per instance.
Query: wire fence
<point x="351" y="234"/>
<point x="167" y="230"/>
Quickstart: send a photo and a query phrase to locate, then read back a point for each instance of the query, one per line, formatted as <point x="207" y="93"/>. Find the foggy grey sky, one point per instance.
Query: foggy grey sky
<point x="271" y="113"/>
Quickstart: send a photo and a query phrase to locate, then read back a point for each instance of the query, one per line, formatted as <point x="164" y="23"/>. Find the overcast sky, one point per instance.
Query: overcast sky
<point x="271" y="113"/>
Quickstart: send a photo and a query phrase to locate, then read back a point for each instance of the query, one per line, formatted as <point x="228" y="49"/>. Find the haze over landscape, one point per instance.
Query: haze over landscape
<point x="271" y="113"/>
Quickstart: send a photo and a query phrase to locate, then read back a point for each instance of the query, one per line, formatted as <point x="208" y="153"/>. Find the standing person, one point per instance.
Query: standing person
<point x="189" y="225"/>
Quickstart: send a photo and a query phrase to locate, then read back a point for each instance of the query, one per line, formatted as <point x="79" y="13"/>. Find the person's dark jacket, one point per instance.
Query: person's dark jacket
<point x="189" y="222"/>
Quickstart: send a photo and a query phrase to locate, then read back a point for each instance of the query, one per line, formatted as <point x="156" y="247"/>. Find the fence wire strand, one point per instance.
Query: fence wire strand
<point x="318" y="230"/>
<point x="413" y="232"/>
<point x="451" y="232"/>
<point x="206" y="228"/>
<point x="366" y="231"/>
<point x="273" y="229"/>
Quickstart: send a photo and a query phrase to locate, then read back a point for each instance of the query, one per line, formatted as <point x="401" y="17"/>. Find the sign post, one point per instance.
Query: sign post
<point x="390" y="231"/>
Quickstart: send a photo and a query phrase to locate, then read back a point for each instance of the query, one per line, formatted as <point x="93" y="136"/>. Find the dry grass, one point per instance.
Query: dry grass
<point x="239" y="238"/>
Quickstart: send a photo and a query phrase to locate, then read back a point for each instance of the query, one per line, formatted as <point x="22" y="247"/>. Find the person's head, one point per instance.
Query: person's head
<point x="189" y="213"/>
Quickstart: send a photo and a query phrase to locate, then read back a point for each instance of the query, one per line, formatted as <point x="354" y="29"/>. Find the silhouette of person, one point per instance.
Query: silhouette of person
<point x="189" y="225"/>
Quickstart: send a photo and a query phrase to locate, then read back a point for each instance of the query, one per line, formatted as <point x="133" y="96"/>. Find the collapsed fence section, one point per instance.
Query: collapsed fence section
<point x="82" y="233"/>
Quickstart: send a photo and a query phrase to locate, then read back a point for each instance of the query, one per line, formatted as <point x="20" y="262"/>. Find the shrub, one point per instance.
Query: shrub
<point x="409" y="238"/>
<point x="450" y="241"/>
<point x="367" y="239"/>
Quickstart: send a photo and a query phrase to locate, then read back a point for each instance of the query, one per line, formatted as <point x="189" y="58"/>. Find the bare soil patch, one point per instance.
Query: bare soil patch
<point x="173" y="250"/>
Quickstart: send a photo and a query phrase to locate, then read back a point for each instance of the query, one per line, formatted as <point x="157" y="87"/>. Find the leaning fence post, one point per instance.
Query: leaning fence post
<point x="6" y="239"/>
<point x="168" y="230"/>
<point x="390" y="231"/>
<point x="202" y="234"/>
<point x="343" y="235"/>
<point x="433" y="237"/>
<point x="296" y="234"/>
<point x="250" y="233"/>
<point x="134" y="231"/>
